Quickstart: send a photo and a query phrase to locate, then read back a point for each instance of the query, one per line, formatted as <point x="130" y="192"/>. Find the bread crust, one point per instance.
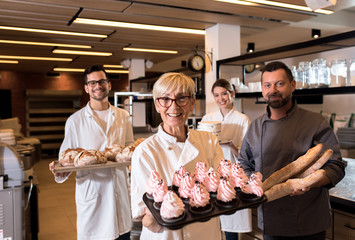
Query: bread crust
<point x="318" y="164"/>
<point x="67" y="157"/>
<point x="286" y="188"/>
<point x="89" y="157"/>
<point x="294" y="168"/>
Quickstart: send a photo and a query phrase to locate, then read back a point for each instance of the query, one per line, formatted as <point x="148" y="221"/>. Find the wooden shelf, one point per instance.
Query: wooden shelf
<point x="46" y="114"/>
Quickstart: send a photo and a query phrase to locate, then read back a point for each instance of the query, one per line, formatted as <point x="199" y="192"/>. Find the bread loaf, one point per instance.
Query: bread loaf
<point x="89" y="157"/>
<point x="125" y="155"/>
<point x="67" y="157"/>
<point x="286" y="188"/>
<point x="294" y="168"/>
<point x="138" y="141"/>
<point x="318" y="164"/>
<point x="112" y="151"/>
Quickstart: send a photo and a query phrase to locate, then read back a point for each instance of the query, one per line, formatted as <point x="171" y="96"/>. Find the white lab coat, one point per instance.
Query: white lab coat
<point x="102" y="197"/>
<point x="234" y="127"/>
<point x="162" y="153"/>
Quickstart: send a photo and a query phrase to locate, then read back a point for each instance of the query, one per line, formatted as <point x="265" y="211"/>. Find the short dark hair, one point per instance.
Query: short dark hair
<point x="273" y="66"/>
<point x="93" y="68"/>
<point x="222" y="83"/>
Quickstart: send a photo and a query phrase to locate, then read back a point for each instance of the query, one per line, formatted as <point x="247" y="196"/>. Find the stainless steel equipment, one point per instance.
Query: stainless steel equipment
<point x="11" y="196"/>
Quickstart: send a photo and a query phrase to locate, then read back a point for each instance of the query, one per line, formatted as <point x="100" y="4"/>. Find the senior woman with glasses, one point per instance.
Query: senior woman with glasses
<point x="173" y="146"/>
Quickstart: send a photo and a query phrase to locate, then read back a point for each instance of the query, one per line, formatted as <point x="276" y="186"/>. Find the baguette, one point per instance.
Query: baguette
<point x="318" y="164"/>
<point x="294" y="168"/>
<point x="286" y="188"/>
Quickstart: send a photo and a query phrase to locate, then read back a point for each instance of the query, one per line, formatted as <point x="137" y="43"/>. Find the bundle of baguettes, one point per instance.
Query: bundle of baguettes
<point x="300" y="174"/>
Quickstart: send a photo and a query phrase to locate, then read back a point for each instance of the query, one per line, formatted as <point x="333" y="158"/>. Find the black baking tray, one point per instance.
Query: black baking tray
<point x="217" y="210"/>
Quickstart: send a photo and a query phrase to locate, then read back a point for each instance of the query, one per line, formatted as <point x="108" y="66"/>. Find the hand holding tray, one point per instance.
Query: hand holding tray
<point x="109" y="164"/>
<point x="217" y="210"/>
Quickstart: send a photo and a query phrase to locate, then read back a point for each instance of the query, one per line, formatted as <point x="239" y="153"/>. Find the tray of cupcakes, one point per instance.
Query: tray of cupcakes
<point x="202" y="195"/>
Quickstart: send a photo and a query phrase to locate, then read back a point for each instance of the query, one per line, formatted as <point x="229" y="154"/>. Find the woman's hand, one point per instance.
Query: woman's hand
<point x="61" y="175"/>
<point x="149" y="222"/>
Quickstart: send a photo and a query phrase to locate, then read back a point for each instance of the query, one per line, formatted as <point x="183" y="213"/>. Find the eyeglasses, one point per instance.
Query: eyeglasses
<point x="166" y="102"/>
<point x="94" y="82"/>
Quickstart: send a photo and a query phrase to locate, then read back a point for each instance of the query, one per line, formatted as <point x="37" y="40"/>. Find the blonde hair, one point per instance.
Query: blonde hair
<point x="173" y="81"/>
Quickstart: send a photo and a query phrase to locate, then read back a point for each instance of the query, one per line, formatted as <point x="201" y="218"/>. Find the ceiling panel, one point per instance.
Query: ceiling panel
<point x="197" y="14"/>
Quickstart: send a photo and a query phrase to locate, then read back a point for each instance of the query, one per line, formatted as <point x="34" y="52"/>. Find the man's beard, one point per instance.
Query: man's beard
<point x="101" y="97"/>
<point x="279" y="103"/>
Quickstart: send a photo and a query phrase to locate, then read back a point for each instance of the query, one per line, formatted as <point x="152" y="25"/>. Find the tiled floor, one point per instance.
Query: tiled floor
<point x="56" y="203"/>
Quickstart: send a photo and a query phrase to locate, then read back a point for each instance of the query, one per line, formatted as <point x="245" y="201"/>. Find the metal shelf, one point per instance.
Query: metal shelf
<point x="323" y="44"/>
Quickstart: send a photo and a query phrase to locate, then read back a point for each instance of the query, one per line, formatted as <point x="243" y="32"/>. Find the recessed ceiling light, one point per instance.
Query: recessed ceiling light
<point x="279" y="4"/>
<point x="9" y="61"/>
<point x="53" y="32"/>
<point x="102" y="54"/>
<point x="36" y="58"/>
<point x="112" y="66"/>
<point x="138" y="26"/>
<point x="45" y="44"/>
<point x="82" y="70"/>
<point x="149" y="50"/>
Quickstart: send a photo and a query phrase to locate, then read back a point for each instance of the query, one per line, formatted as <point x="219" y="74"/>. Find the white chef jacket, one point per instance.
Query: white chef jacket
<point x="102" y="199"/>
<point x="162" y="153"/>
<point x="234" y="127"/>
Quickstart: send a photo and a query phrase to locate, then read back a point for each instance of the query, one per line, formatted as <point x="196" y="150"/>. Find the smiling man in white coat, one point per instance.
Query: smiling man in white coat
<point x="102" y="199"/>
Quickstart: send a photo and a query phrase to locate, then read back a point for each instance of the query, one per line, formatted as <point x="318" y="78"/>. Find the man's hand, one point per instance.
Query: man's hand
<point x="149" y="222"/>
<point x="299" y="191"/>
<point x="61" y="175"/>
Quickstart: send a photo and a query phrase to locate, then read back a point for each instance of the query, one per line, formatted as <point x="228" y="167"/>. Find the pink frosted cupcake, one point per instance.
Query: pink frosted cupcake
<point x="177" y="178"/>
<point x="172" y="209"/>
<point x="200" y="199"/>
<point x="238" y="177"/>
<point x="226" y="194"/>
<point x="200" y="172"/>
<point x="152" y="183"/>
<point x="212" y="180"/>
<point x="187" y="184"/>
<point x="253" y="189"/>
<point x="224" y="168"/>
<point x="159" y="193"/>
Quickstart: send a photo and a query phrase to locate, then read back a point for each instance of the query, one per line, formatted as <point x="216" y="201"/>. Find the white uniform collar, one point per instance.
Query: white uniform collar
<point x="189" y="151"/>
<point x="229" y="113"/>
<point x="167" y="136"/>
<point x="89" y="112"/>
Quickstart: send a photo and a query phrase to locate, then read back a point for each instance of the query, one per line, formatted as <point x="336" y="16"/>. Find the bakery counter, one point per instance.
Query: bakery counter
<point x="342" y="196"/>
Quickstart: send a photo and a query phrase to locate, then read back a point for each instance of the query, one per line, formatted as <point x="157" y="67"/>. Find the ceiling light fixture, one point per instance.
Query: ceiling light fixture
<point x="315" y="33"/>
<point x="101" y="54"/>
<point x="53" y="32"/>
<point x="45" y="44"/>
<point x="149" y="50"/>
<point x="9" y="61"/>
<point x="238" y="2"/>
<point x="251" y="47"/>
<point x="82" y="70"/>
<point x="112" y="66"/>
<point x="36" y="58"/>
<point x="138" y="26"/>
<point x="281" y="5"/>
